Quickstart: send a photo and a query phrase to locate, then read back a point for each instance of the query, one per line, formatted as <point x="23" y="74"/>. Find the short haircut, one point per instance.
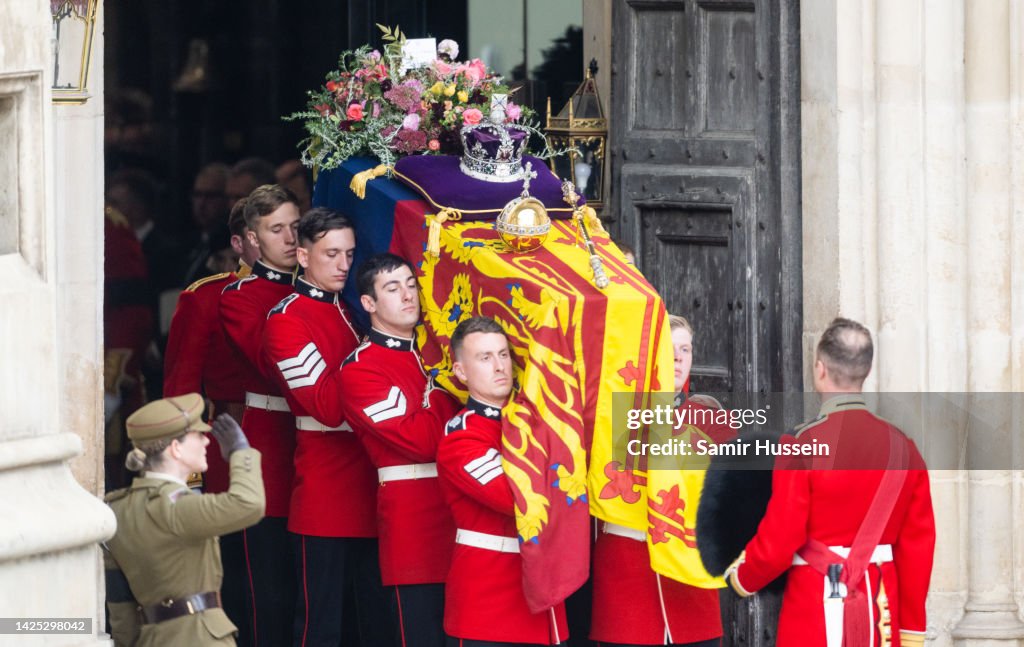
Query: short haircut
<point x="141" y="184"/>
<point x="377" y="264"/>
<point x="257" y="168"/>
<point x="236" y="221"/>
<point x="847" y="351"/>
<point x="675" y="322"/>
<point x="470" y="326"/>
<point x="264" y="200"/>
<point x="318" y="221"/>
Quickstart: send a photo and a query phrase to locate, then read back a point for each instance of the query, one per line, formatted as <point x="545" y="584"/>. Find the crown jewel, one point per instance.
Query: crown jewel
<point x="493" y="150"/>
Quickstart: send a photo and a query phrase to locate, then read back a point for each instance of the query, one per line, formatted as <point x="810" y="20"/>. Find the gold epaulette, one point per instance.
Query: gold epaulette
<point x="799" y="429"/>
<point x="207" y="279"/>
<point x="116" y="217"/>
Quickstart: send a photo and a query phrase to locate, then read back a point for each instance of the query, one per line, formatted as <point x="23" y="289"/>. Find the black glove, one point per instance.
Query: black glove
<point x="229" y="435"/>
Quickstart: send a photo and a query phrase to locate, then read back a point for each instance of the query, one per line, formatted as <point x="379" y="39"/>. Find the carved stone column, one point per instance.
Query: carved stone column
<point x="991" y="614"/>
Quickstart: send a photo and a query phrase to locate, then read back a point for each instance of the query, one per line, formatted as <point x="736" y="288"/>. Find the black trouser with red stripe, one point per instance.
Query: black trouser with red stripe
<point x="341" y="600"/>
<point x="271" y="582"/>
<point x="420" y="612"/>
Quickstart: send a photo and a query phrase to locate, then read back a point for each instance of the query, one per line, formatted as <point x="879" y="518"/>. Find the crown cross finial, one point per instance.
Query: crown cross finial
<point x="528" y="174"/>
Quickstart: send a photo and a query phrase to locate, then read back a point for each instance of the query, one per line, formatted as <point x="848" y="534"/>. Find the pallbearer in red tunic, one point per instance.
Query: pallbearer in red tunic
<point x="199" y="359"/>
<point x="855" y="529"/>
<point x="271" y="216"/>
<point x="484" y="599"/>
<point x="633" y="605"/>
<point x="400" y="416"/>
<point x="332" y="516"/>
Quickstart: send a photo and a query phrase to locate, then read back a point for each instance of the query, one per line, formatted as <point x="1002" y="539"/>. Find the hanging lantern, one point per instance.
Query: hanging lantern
<point x="582" y="126"/>
<point x="73" y="24"/>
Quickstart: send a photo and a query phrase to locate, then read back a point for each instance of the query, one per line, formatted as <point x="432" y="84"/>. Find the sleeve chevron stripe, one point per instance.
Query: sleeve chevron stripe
<point x="390" y="407"/>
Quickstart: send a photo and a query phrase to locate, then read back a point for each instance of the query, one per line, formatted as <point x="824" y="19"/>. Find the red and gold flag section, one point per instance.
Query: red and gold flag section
<point x="568" y="337"/>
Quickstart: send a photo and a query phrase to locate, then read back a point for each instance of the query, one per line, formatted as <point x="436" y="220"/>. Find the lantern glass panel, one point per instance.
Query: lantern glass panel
<point x="563" y="165"/>
<point x="588" y="167"/>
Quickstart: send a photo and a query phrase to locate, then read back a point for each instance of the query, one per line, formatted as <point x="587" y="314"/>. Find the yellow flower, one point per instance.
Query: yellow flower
<point x="450" y="90"/>
<point x="463" y="96"/>
<point x="437" y="89"/>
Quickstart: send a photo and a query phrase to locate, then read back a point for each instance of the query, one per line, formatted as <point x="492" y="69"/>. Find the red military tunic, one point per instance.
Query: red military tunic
<point x="484" y="597"/>
<point x="198" y="359"/>
<point x="267" y="422"/>
<point x="828" y="503"/>
<point x="634" y="605"/>
<point x="127" y="312"/>
<point x="307" y="337"/>
<point x="400" y="416"/>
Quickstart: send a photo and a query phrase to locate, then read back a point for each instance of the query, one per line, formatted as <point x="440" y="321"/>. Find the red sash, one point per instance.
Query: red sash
<point x="856" y="629"/>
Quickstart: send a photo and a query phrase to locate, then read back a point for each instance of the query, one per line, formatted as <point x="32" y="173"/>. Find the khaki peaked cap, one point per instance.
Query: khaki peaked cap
<point x="167" y="418"/>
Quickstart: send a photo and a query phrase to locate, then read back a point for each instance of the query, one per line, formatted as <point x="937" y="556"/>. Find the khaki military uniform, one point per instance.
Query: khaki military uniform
<point x="166" y="545"/>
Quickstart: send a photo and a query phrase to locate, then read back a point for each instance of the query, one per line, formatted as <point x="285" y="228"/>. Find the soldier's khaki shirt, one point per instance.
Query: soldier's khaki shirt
<point x="167" y="546"/>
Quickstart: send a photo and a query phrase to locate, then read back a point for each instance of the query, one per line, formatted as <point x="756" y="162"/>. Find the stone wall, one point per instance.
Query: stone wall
<point x="913" y="212"/>
<point x="51" y="254"/>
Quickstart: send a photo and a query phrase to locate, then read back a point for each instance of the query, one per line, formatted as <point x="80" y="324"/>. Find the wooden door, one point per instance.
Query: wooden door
<point x="705" y="187"/>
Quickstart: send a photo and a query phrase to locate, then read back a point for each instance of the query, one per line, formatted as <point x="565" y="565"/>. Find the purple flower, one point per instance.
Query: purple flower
<point x="415" y="84"/>
<point x="411" y="122"/>
<point x="409" y="141"/>
<point x="406" y="98"/>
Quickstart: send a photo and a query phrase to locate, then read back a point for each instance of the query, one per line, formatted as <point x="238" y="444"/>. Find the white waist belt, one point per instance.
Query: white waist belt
<point x="407" y="472"/>
<point x="881" y="554"/>
<point x="266" y="402"/>
<point x="623" y="531"/>
<point x="497" y="543"/>
<point x="309" y="423"/>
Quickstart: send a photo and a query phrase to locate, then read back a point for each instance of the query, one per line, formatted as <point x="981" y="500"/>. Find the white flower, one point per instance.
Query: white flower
<point x="273" y="276"/>
<point x="449" y="48"/>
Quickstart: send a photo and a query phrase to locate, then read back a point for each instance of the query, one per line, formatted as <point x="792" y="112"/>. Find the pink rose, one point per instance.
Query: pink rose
<point x="355" y="111"/>
<point x="472" y="117"/>
<point x="513" y="112"/>
<point x="434" y="145"/>
<point x="411" y="122"/>
<point x="444" y="69"/>
<point x="475" y="71"/>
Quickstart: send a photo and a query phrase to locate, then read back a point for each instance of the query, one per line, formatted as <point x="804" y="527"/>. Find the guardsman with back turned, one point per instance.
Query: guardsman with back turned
<point x="399" y="415"/>
<point x="271" y="219"/>
<point x="163" y="564"/>
<point x="484" y="601"/>
<point x="854" y="529"/>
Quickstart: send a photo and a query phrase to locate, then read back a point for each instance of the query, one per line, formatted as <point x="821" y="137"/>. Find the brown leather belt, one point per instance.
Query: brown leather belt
<point x="170" y="609"/>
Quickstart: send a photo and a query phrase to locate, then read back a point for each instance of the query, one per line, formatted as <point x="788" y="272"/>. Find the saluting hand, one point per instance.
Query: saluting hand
<point x="229" y="435"/>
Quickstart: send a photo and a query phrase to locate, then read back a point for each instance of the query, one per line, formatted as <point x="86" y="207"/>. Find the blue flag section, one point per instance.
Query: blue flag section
<point x="373" y="217"/>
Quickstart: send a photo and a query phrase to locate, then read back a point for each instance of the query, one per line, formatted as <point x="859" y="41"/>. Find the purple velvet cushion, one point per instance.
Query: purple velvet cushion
<point x="440" y="181"/>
